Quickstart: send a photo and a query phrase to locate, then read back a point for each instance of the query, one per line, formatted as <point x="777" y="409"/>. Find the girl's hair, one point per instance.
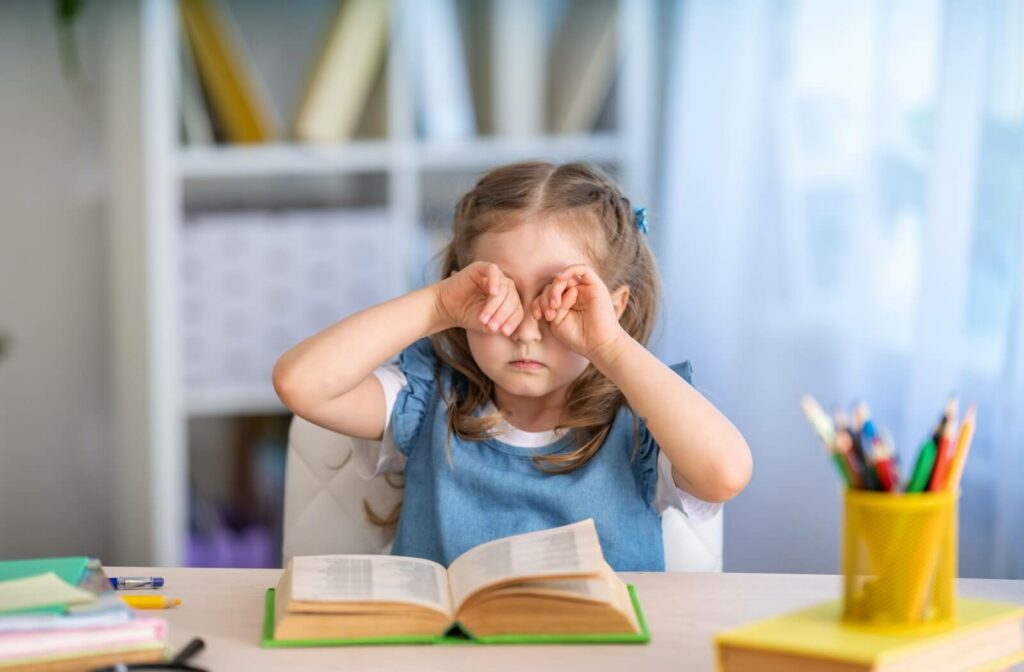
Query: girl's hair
<point x="584" y="197"/>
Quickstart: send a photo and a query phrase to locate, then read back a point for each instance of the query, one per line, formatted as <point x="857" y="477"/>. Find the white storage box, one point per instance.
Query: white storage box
<point x="257" y="282"/>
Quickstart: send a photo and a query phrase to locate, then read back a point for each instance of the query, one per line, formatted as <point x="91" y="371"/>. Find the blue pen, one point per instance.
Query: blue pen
<point x="867" y="434"/>
<point x="131" y="582"/>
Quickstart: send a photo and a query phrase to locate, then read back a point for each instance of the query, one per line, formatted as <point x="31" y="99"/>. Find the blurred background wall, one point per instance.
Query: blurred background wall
<point x="835" y="191"/>
<point x="54" y="405"/>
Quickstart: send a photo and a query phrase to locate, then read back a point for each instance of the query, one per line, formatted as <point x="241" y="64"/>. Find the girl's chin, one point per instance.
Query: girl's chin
<point x="525" y="386"/>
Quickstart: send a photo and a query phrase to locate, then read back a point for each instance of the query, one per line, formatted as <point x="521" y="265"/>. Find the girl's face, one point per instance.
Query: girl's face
<point x="530" y="362"/>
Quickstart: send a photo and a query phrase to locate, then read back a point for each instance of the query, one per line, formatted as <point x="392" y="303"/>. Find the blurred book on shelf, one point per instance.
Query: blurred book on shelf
<point x="445" y="102"/>
<point x="237" y="96"/>
<point x="196" y="122"/>
<point x="583" y="66"/>
<point x="518" y="64"/>
<point x="373" y="120"/>
<point x="475" y="19"/>
<point x="346" y="69"/>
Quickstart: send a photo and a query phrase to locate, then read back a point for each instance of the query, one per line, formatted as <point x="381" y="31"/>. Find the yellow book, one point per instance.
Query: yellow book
<point x="239" y="104"/>
<point x="349" y="63"/>
<point x="987" y="636"/>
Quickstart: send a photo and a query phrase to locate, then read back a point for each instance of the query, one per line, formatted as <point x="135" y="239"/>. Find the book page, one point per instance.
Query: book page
<point x="591" y="590"/>
<point x="370" y="578"/>
<point x="560" y="551"/>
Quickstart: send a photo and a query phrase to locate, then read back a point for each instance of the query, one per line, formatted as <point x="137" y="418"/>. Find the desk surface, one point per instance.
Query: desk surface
<point x="225" y="608"/>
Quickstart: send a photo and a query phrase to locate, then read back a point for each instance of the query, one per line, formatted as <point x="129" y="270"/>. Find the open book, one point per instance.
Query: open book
<point x="551" y="585"/>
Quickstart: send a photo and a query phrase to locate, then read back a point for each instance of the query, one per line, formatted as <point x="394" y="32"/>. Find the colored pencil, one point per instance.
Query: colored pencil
<point x="944" y="448"/>
<point x="963" y="447"/>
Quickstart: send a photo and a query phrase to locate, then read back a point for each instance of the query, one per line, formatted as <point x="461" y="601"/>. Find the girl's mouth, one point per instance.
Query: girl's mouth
<point x="526" y="364"/>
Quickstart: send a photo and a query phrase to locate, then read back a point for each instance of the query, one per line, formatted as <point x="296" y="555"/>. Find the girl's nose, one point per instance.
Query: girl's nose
<point x="528" y="331"/>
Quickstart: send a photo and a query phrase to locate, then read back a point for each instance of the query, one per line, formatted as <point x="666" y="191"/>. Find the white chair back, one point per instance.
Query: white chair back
<point x="323" y="497"/>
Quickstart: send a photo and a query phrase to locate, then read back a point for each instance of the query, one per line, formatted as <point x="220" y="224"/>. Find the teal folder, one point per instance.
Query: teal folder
<point x="452" y="637"/>
<point x="70" y="570"/>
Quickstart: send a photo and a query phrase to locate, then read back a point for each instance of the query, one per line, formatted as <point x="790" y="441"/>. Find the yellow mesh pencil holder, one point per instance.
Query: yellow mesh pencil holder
<point x="899" y="561"/>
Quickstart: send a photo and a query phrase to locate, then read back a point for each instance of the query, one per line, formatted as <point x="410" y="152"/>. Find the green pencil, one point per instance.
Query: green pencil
<point x="923" y="468"/>
<point x="841" y="465"/>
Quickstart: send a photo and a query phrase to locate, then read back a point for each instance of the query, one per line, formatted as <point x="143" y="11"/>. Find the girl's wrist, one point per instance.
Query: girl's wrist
<point x="441" y="317"/>
<point x="607" y="354"/>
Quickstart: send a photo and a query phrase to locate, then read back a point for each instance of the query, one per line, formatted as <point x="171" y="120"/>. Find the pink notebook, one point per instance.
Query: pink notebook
<point x="133" y="633"/>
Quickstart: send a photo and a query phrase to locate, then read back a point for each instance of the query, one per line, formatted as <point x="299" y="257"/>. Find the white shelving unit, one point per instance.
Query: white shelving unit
<point x="152" y="177"/>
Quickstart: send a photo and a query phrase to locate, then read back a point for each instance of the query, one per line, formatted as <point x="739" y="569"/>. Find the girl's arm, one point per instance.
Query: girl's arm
<point x="328" y="379"/>
<point x="709" y="457"/>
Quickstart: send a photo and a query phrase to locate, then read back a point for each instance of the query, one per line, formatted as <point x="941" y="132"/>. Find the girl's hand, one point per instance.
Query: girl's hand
<point x="579" y="308"/>
<point x="480" y="298"/>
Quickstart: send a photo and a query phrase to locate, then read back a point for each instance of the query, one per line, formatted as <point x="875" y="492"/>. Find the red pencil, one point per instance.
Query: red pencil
<point x="944" y="449"/>
<point x="883" y="464"/>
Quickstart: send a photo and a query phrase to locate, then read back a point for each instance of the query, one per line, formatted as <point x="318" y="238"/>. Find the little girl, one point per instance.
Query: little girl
<point x="523" y="397"/>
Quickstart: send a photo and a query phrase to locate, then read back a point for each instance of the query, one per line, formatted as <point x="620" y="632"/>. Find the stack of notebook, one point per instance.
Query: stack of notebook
<point x="62" y="614"/>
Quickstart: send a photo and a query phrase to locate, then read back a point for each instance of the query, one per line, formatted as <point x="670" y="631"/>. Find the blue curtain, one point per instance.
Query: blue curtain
<point x="841" y="203"/>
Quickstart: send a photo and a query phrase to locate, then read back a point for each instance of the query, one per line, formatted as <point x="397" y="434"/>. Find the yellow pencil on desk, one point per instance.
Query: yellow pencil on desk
<point x="150" y="601"/>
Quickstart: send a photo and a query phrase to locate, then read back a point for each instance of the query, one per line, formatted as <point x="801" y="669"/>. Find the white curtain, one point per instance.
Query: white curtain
<point x="841" y="211"/>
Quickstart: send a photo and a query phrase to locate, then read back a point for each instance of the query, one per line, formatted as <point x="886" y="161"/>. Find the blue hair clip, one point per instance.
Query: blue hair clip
<point x="641" y="219"/>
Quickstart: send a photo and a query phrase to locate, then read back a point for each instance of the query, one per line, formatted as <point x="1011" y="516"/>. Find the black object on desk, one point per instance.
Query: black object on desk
<point x="179" y="662"/>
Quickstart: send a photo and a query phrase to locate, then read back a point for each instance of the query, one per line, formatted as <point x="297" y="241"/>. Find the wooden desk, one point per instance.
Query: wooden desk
<point x="225" y="608"/>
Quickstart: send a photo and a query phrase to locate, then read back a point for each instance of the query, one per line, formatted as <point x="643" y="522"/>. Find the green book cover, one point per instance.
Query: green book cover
<point x="452" y="638"/>
<point x="70" y="570"/>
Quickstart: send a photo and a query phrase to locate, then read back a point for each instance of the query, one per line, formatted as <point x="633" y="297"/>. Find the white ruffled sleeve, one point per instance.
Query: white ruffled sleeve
<point x="670" y="496"/>
<point x="373" y="458"/>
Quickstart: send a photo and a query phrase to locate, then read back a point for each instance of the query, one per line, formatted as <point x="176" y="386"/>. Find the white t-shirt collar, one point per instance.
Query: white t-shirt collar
<point x="518" y="437"/>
